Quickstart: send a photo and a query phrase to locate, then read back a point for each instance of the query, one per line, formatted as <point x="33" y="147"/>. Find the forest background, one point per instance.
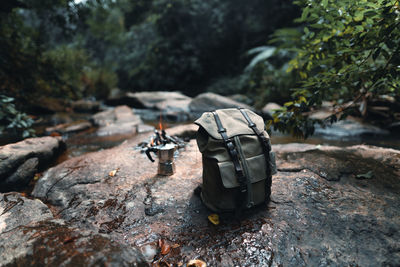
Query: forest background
<point x="297" y="54"/>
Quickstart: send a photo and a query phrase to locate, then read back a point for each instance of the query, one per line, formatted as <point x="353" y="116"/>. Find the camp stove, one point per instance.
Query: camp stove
<point x="164" y="146"/>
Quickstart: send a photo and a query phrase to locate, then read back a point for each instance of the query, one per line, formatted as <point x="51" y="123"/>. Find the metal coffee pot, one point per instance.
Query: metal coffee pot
<point x="166" y="165"/>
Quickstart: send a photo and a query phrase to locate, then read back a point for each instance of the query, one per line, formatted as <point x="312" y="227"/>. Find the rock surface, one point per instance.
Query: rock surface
<point x="118" y="120"/>
<point x="30" y="236"/>
<point x="20" y="161"/>
<point x="330" y="206"/>
<point x="210" y="101"/>
<point x="67" y="128"/>
<point x="269" y="109"/>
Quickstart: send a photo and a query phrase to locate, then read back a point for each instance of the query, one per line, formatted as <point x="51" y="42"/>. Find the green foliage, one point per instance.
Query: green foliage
<point x="347" y="52"/>
<point x="12" y="120"/>
<point x="268" y="78"/>
<point x="194" y="43"/>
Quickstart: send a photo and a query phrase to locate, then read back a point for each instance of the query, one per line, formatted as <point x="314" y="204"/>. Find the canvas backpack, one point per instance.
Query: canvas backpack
<point x="237" y="159"/>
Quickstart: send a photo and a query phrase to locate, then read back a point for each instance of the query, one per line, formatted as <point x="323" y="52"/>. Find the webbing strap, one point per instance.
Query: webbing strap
<point x="261" y="137"/>
<point x="232" y="153"/>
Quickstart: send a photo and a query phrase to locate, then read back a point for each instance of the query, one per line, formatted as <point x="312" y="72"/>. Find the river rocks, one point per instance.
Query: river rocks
<point x="330" y="206"/>
<point x="269" y="109"/>
<point x="20" y="161"/>
<point x="67" y="128"/>
<point x="210" y="101"/>
<point x="349" y="129"/>
<point x="86" y="106"/>
<point x="159" y="100"/>
<point x="119" y="120"/>
<point x="30" y="236"/>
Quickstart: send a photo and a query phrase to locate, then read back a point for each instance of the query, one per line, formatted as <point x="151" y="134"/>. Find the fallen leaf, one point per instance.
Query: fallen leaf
<point x="37" y="176"/>
<point x="165" y="249"/>
<point x="214" y="219"/>
<point x="196" y="263"/>
<point x="175" y="246"/>
<point x="164" y="246"/>
<point x="113" y="173"/>
<point x="54" y="134"/>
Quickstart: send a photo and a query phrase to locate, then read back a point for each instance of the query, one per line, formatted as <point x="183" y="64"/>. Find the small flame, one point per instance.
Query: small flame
<point x="160" y="124"/>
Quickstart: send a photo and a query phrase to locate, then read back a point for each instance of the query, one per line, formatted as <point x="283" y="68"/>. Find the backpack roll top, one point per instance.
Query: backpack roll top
<point x="237" y="159"/>
<point x="233" y="122"/>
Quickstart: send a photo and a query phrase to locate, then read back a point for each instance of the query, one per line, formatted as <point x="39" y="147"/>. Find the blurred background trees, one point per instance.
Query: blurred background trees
<point x="75" y="49"/>
<point x="342" y="51"/>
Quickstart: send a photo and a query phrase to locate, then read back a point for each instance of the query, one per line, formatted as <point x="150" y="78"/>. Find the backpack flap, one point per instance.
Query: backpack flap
<point x="233" y="121"/>
<point x="257" y="171"/>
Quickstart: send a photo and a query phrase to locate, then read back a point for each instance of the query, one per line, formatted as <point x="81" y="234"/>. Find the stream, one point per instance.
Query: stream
<point x="88" y="141"/>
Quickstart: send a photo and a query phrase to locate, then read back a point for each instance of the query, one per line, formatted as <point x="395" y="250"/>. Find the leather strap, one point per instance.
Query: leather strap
<point x="232" y="153"/>
<point x="266" y="146"/>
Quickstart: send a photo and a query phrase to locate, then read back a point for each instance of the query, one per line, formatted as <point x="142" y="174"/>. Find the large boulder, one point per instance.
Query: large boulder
<point x="30" y="236"/>
<point x="174" y="106"/>
<point x="118" y="120"/>
<point x="210" y="101"/>
<point x="330" y="206"/>
<point x="20" y="161"/>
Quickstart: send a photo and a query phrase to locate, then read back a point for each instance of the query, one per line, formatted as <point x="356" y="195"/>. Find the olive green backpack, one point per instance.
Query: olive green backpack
<point x="237" y="159"/>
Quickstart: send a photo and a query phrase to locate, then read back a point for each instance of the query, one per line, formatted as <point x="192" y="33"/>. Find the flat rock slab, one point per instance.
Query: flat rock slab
<point x="20" y="161"/>
<point x="330" y="207"/>
<point x="115" y="121"/>
<point x="67" y="128"/>
<point x="30" y="236"/>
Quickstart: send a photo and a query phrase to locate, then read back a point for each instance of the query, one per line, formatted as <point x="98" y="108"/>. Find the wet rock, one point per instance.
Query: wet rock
<point x="184" y="131"/>
<point x="143" y="128"/>
<point x="86" y="106"/>
<point x="119" y="120"/>
<point x="30" y="236"/>
<point x="20" y="161"/>
<point x="349" y="129"/>
<point x="269" y="109"/>
<point x="320" y="213"/>
<point x="210" y="101"/>
<point x="16" y="210"/>
<point x="67" y="128"/>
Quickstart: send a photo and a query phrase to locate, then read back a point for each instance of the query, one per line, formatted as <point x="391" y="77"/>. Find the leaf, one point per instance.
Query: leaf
<point x="164" y="246"/>
<point x="376" y="54"/>
<point x="367" y="175"/>
<point x="358" y="16"/>
<point x="263" y="53"/>
<point x="214" y="219"/>
<point x="113" y="172"/>
<point x="196" y="263"/>
<point x="37" y="176"/>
